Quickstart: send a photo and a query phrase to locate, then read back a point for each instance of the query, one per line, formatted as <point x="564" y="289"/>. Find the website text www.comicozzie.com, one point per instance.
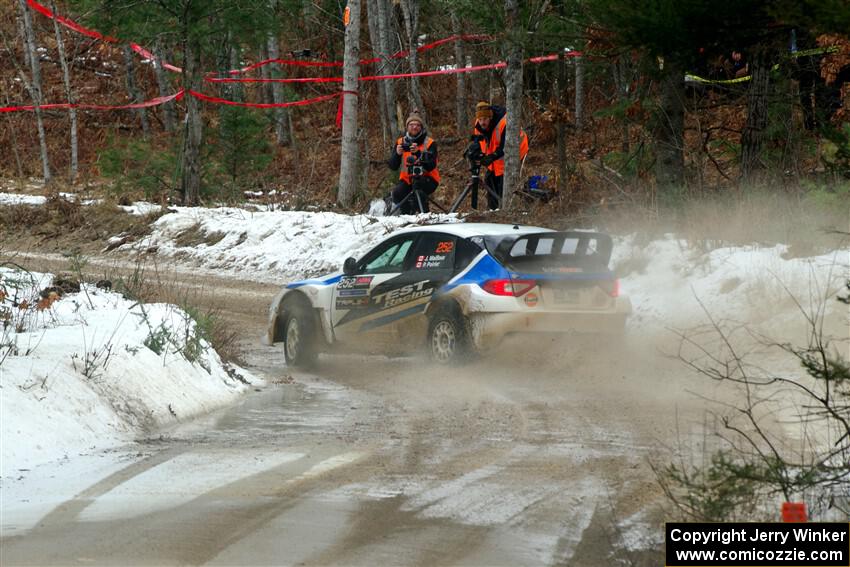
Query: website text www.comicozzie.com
<point x="754" y="554"/>
<point x="762" y="544"/>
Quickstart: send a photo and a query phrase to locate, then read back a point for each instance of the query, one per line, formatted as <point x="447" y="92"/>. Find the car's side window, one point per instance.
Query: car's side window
<point x="390" y="259"/>
<point x="466" y="253"/>
<point x="434" y="251"/>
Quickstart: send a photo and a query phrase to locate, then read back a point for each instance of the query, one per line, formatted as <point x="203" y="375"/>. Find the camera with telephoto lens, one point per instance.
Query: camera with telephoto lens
<point x="473" y="153"/>
<point x="414" y="167"/>
<point x="406" y="143"/>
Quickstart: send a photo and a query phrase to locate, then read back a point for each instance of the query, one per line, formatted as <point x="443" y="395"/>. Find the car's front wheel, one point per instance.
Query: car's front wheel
<point x="299" y="336"/>
<point x="448" y="338"/>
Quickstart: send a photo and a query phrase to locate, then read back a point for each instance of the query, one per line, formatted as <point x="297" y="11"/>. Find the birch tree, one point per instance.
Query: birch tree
<point x="460" y="59"/>
<point x="387" y="65"/>
<point x="35" y="86"/>
<point x="562" y="122"/>
<point x="66" y="80"/>
<point x="513" y="101"/>
<point x="349" y="156"/>
<point x="281" y="115"/>
<point x="410" y="10"/>
<point x="375" y="40"/>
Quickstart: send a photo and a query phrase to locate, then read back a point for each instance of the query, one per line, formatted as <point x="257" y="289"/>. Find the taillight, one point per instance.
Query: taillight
<point x="515" y="288"/>
<point x="614" y="290"/>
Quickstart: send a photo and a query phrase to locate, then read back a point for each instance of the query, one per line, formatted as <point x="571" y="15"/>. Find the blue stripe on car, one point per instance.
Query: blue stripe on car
<point x="484" y="268"/>
<point x="325" y="281"/>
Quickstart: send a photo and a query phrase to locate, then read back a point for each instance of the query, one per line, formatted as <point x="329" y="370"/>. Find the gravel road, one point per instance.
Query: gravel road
<point x="537" y="455"/>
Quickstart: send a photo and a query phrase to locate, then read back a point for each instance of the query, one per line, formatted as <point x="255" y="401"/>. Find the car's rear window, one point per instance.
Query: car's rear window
<point x="553" y="251"/>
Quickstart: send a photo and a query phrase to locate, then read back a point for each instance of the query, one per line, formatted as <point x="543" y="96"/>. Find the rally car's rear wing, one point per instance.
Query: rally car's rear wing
<point x="544" y="252"/>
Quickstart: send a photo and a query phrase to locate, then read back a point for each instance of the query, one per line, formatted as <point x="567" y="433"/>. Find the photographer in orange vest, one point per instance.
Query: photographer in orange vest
<point x="416" y="154"/>
<point x="490" y="124"/>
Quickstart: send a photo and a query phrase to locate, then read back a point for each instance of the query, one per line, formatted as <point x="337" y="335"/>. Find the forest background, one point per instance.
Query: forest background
<point x="638" y="104"/>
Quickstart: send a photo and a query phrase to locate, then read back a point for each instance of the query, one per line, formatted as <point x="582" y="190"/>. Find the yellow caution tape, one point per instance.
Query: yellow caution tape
<point x="795" y="54"/>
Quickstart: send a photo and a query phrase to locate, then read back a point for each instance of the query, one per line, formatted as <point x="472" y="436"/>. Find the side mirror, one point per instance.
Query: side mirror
<point x="349" y="268"/>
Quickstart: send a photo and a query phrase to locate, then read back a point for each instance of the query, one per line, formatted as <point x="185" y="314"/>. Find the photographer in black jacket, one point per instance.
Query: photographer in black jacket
<point x="416" y="154"/>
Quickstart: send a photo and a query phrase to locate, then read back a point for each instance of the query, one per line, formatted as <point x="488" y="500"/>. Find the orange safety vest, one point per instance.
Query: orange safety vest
<point x="405" y="176"/>
<point x="491" y="145"/>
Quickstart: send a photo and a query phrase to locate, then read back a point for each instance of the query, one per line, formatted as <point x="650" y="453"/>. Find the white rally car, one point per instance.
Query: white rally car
<point x="455" y="289"/>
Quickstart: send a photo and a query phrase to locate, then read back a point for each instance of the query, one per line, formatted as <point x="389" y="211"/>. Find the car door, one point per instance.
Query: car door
<point x="360" y="299"/>
<point x="431" y="267"/>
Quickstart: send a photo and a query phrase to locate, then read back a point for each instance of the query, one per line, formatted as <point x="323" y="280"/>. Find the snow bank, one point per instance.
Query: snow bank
<point x="270" y="246"/>
<point x="93" y="370"/>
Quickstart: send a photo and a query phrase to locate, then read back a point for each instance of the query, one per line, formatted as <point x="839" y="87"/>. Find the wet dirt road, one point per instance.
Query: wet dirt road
<point x="538" y="455"/>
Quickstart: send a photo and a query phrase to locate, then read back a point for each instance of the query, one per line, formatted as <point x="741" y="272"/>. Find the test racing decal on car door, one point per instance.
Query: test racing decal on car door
<point x="390" y="295"/>
<point x="402" y="294"/>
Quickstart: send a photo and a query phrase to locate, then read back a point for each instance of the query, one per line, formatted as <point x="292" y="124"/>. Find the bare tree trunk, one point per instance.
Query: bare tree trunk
<point x="235" y="52"/>
<point x="135" y="95"/>
<point x="579" y="113"/>
<point x="281" y="118"/>
<point x="480" y="80"/>
<point x="169" y="118"/>
<point x="265" y="89"/>
<point x="410" y="9"/>
<point x="562" y="126"/>
<point x="72" y="112"/>
<point x="35" y="87"/>
<point x="281" y="115"/>
<point x="460" y="60"/>
<point x="22" y="32"/>
<point x="387" y="65"/>
<point x="191" y="179"/>
<point x="349" y="156"/>
<point x="669" y="130"/>
<point x="752" y="138"/>
<point x="375" y="39"/>
<point x="621" y="81"/>
<point x="13" y="137"/>
<point x="513" y="102"/>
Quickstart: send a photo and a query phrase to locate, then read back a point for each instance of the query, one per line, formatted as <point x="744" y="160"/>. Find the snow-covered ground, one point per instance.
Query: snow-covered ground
<point x="269" y="246"/>
<point x="94" y="370"/>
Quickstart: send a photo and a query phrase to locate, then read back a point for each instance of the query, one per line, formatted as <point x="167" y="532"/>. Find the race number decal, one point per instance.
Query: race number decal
<point x="355" y="282"/>
<point x="445" y="247"/>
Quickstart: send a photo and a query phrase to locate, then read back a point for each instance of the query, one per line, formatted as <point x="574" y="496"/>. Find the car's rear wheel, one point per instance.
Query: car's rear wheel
<point x="299" y="334"/>
<point x="448" y="337"/>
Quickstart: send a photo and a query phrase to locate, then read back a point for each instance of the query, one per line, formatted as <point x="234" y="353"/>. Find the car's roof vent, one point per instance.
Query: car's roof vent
<point x="516" y="227"/>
